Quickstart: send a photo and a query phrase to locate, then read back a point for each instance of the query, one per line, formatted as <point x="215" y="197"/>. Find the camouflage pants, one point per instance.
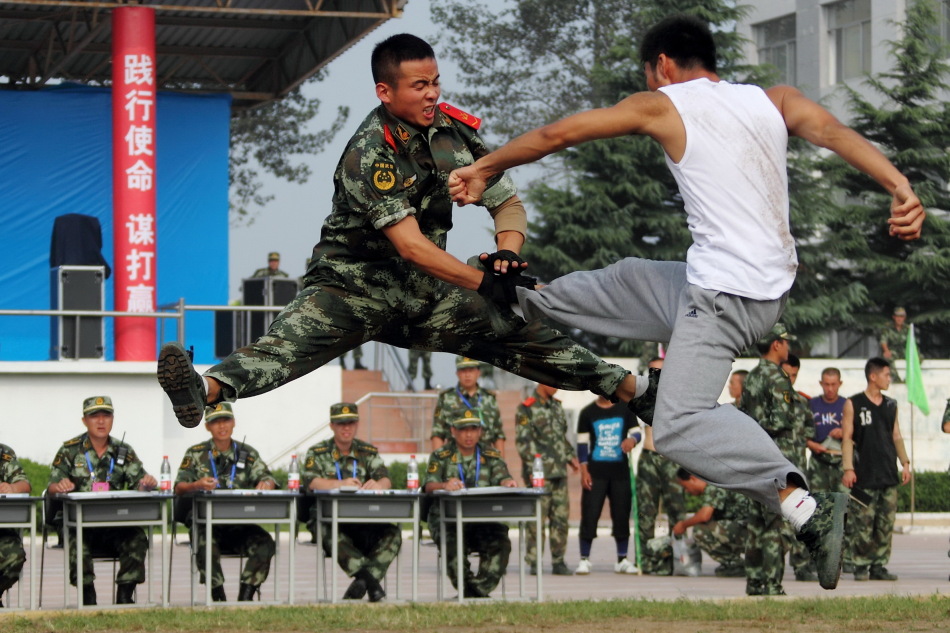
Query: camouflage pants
<point x="655" y="488"/>
<point x="371" y="547"/>
<point x="824" y="474"/>
<point x="128" y="544"/>
<point x="555" y="510"/>
<point x="723" y="540"/>
<point x="872" y="528"/>
<point x="324" y="322"/>
<point x="251" y="541"/>
<point x="765" y="551"/>
<point x="12" y="557"/>
<point x="414" y="357"/>
<point x="489" y="540"/>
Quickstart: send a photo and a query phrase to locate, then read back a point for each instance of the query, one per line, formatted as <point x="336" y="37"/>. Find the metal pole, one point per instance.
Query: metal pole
<point x="181" y="321"/>
<point x="913" y="488"/>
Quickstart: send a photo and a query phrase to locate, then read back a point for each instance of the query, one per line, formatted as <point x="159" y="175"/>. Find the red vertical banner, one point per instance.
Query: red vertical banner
<point x="134" y="98"/>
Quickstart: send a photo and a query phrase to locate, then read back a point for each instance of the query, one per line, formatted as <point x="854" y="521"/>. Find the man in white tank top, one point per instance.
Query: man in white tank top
<point x="726" y="146"/>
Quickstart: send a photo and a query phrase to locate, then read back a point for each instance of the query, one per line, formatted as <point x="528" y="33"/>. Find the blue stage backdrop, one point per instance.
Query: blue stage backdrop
<point x="55" y="158"/>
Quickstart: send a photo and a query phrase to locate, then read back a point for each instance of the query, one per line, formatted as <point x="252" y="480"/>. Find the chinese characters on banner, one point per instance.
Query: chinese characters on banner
<point x="134" y="100"/>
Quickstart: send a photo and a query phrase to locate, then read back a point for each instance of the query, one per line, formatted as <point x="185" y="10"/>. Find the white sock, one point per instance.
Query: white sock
<point x="643" y="382"/>
<point x="798" y="508"/>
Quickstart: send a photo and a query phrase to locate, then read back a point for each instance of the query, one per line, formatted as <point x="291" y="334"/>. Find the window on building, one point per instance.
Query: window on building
<point x="775" y="40"/>
<point x="849" y="34"/>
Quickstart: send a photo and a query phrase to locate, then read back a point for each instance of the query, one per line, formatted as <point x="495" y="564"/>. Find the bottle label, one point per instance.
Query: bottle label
<point x="412" y="481"/>
<point x="537" y="481"/>
<point x="293" y="481"/>
<point x="165" y="482"/>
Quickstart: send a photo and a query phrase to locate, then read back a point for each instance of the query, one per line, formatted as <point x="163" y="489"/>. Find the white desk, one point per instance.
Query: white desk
<point x="237" y="507"/>
<point x="120" y="508"/>
<point x="18" y="512"/>
<point x="494" y="504"/>
<point x="366" y="506"/>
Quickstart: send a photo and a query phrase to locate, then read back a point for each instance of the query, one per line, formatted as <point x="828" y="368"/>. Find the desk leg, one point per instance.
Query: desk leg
<point x="537" y="526"/>
<point x="292" y="546"/>
<point x="276" y="562"/>
<point x="415" y="550"/>
<point x="459" y="551"/>
<point x="148" y="599"/>
<point x="79" y="573"/>
<point x="321" y="563"/>
<point x="522" y="551"/>
<point x="33" y="597"/>
<point x="166" y="553"/>
<point x="209" y="519"/>
<point x="334" y="549"/>
<point x="443" y="554"/>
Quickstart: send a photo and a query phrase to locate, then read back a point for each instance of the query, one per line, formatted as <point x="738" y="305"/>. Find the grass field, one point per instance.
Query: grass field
<point x="851" y="615"/>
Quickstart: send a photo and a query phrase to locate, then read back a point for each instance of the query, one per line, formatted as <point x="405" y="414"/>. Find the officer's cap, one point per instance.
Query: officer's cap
<point x="272" y="256"/>
<point x="219" y="411"/>
<point x="899" y="311"/>
<point x="344" y="413"/>
<point x="97" y="403"/>
<point x="471" y="417"/>
<point x="778" y="333"/>
<point x="463" y="362"/>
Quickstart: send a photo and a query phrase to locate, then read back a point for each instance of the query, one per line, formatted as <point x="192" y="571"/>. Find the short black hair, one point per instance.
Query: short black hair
<point x="684" y="39"/>
<point x="394" y="50"/>
<point x="874" y="365"/>
<point x="682" y="474"/>
<point x="793" y="361"/>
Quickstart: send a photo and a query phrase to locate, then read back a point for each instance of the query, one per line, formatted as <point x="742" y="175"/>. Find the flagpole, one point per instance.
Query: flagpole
<point x="913" y="488"/>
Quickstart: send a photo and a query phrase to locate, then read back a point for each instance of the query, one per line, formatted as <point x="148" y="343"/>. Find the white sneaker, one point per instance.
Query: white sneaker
<point x="625" y="567"/>
<point x="583" y="567"/>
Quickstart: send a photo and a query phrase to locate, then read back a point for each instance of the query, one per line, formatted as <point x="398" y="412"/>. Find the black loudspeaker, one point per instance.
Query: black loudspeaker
<point x="77" y="288"/>
<point x="260" y="291"/>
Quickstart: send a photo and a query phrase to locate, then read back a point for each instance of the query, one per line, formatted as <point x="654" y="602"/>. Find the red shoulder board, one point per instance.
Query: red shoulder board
<point x="529" y="401"/>
<point x="389" y="138"/>
<point x="472" y="121"/>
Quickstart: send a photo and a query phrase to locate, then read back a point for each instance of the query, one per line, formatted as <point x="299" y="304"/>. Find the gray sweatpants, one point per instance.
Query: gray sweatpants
<point x="705" y="330"/>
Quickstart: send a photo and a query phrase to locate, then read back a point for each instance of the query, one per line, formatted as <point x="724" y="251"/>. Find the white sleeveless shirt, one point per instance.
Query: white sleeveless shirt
<point x="734" y="184"/>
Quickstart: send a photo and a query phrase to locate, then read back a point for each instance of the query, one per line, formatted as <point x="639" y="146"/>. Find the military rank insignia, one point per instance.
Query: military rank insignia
<point x="472" y="121"/>
<point x="384" y="176"/>
<point x="433" y="467"/>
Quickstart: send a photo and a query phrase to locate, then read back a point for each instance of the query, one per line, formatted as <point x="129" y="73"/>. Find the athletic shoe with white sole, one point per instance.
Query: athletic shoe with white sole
<point x="625" y="567"/>
<point x="584" y="567"/>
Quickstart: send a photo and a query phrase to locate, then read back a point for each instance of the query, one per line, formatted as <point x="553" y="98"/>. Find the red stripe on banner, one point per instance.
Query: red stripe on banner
<point x="134" y="98"/>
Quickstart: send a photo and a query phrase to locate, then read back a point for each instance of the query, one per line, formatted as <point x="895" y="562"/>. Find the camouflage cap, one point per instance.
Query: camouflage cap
<point x="778" y="332"/>
<point x="219" y="411"/>
<point x="471" y="417"/>
<point x="344" y="413"/>
<point x="899" y="311"/>
<point x="273" y="255"/>
<point x="97" y="403"/>
<point x="463" y="362"/>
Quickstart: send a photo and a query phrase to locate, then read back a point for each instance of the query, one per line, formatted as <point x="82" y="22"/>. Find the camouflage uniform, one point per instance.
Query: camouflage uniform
<point x="12" y="554"/>
<point x="252" y="541"/>
<point x="373" y="546"/>
<point x="490" y="540"/>
<point x="655" y="485"/>
<point x="129" y="543"/>
<point x="724" y="537"/>
<point x="359" y="289"/>
<point x="896" y="341"/>
<point x="798" y="556"/>
<point x="769" y="399"/>
<point x="541" y="427"/>
<point x="450" y="406"/>
<point x="414" y="357"/>
<point x="267" y="272"/>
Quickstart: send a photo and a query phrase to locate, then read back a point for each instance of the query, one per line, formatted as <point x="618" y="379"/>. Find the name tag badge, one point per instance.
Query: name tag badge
<point x="100" y="486"/>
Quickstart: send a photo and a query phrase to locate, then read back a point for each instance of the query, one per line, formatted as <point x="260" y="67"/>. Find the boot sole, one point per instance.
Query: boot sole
<point x="176" y="377"/>
<point x="830" y="572"/>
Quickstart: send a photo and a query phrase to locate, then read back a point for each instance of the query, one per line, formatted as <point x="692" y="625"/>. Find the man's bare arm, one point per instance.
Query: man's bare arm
<point x="414" y="247"/>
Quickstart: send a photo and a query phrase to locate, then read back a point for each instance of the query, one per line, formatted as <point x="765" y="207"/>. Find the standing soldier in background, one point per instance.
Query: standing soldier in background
<point x="736" y="380"/>
<point x="12" y="555"/>
<point x="894" y="340"/>
<point x="824" y="467"/>
<point x="273" y="267"/>
<point x="467" y="395"/>
<point x="97" y="462"/>
<point x="365" y="551"/>
<point x="415" y="356"/>
<point x="220" y="462"/>
<point x="541" y="428"/>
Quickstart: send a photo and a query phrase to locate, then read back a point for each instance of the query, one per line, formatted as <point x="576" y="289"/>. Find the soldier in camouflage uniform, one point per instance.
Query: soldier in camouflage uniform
<point x="12" y="555"/>
<point x="97" y="462"/>
<point x="380" y="271"/>
<point x="769" y="398"/>
<point x="467" y="395"/>
<point x="465" y="462"/>
<point x="893" y="340"/>
<point x="719" y="526"/>
<point x="273" y="267"/>
<point x="541" y="428"/>
<point x="364" y="551"/>
<point x="414" y="357"/>
<point x="220" y="462"/>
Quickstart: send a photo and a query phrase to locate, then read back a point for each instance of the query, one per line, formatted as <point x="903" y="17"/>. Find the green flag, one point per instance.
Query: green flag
<point x="916" y="394"/>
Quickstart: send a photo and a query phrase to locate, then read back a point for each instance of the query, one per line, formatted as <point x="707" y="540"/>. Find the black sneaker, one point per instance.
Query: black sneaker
<point x="561" y="569"/>
<point x="182" y="384"/>
<point x="881" y="573"/>
<point x="643" y="406"/>
<point x="823" y="534"/>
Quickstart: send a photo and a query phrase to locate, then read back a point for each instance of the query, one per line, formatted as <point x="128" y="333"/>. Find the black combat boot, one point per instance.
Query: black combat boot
<point x="125" y="593"/>
<point x="247" y="592"/>
<point x="89" y="594"/>
<point x="218" y="595"/>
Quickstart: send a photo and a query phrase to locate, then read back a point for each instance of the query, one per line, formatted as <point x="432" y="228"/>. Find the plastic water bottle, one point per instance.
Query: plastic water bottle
<point x="412" y="474"/>
<point x="293" y="474"/>
<point x="165" y="476"/>
<point x="537" y="472"/>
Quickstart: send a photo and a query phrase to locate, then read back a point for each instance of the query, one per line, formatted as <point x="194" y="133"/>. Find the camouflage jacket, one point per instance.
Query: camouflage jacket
<point x="267" y="272"/>
<point x="444" y="465"/>
<point x="727" y="505"/>
<point x="541" y="427"/>
<point x="322" y="460"/>
<point x="768" y="397"/>
<point x="74" y="458"/>
<point x="10" y="469"/>
<point x="388" y="171"/>
<point x="946" y="416"/>
<point x="450" y="406"/>
<point x="896" y="340"/>
<point x="197" y="464"/>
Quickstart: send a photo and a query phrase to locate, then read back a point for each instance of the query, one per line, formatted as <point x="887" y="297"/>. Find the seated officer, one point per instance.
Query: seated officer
<point x="222" y="463"/>
<point x="12" y="556"/>
<point x="364" y="551"/>
<point x="719" y="526"/>
<point x="466" y="462"/>
<point x="97" y="462"/>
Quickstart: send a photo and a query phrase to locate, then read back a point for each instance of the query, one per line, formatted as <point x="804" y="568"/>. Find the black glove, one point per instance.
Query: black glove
<point x="500" y="289"/>
<point x="506" y="256"/>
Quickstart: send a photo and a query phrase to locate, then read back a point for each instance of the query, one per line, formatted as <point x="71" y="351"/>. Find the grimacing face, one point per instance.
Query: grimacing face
<point x="416" y="94"/>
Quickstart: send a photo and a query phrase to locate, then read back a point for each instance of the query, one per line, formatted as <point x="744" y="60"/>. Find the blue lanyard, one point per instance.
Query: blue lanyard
<point x="214" y="468"/>
<point x="469" y="404"/>
<point x="478" y="467"/>
<point x="92" y="472"/>
<point x="339" y="473"/>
